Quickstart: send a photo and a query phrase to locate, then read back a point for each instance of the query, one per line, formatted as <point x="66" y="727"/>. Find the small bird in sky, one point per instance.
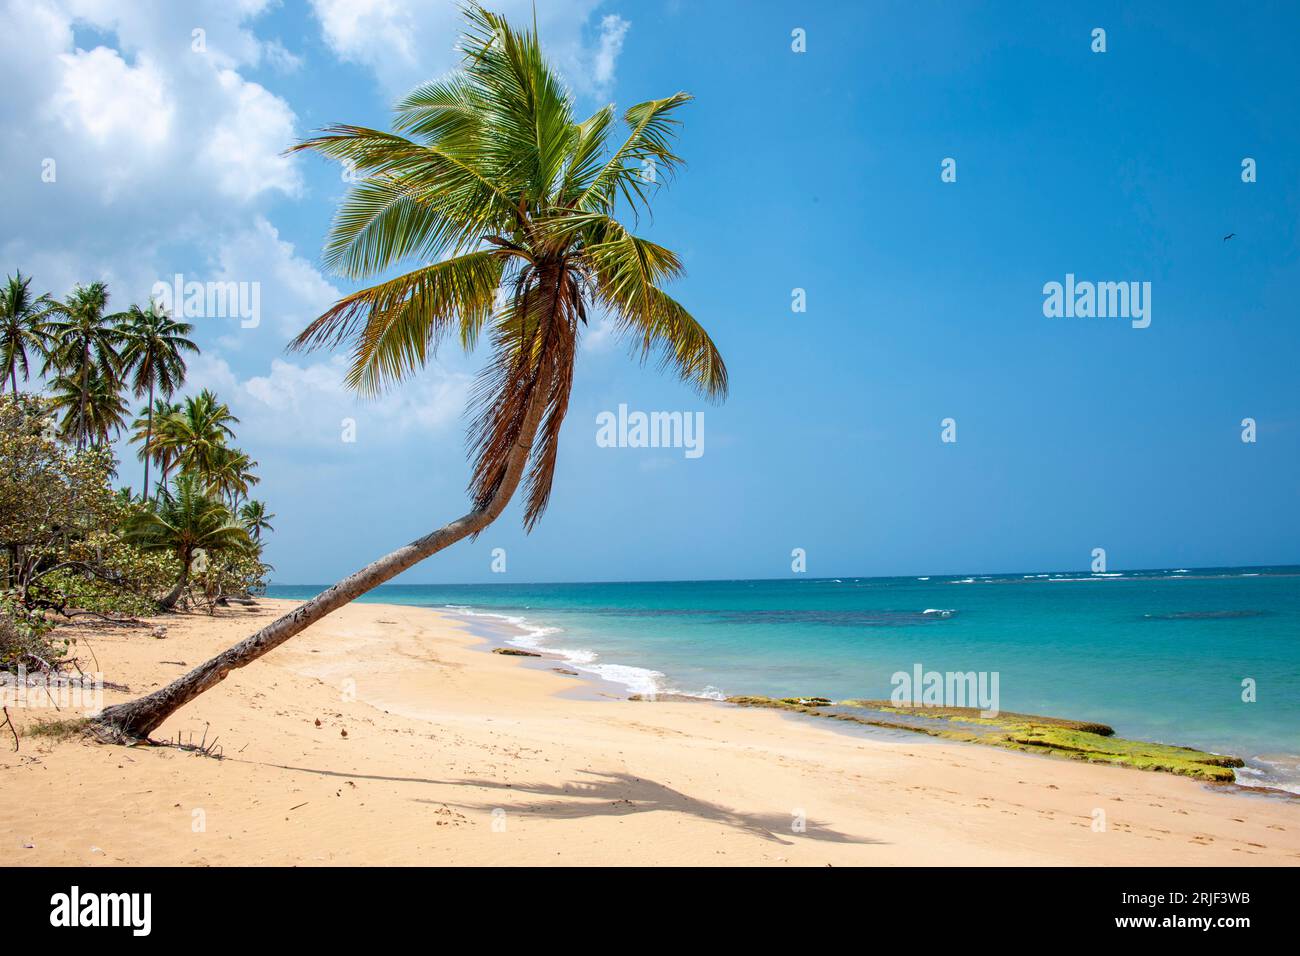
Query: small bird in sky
<point x="1228" y="236"/>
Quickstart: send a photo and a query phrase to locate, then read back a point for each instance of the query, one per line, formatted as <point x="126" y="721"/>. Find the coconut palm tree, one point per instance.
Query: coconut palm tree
<point x="145" y="433"/>
<point x="153" y="359"/>
<point x="256" y="519"/>
<point x="508" y="203"/>
<point x="93" y="409"/>
<point x="230" y="474"/>
<point x="183" y="523"/>
<point x="85" y="341"/>
<point x="22" y="328"/>
<point x="196" y="435"/>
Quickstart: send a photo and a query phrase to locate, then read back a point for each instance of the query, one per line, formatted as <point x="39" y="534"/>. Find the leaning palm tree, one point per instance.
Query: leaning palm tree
<point x="153" y="359"/>
<point x="183" y="523"/>
<point x="256" y="518"/>
<point x="508" y="203"/>
<point x="85" y="340"/>
<point x="93" y="409"/>
<point x="22" y="329"/>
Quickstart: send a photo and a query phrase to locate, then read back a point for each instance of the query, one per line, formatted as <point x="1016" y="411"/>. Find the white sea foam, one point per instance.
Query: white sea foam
<point x="939" y="611"/>
<point x="637" y="680"/>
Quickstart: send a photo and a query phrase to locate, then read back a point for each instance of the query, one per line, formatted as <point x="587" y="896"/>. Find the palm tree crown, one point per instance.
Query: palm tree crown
<point x="22" y="329"/>
<point x="195" y="437"/>
<point x="256" y="518"/>
<point x="93" y="409"/>
<point x="184" y="522"/>
<point x="154" y="343"/>
<point x="85" y="342"/>
<point x="152" y="354"/>
<point x="492" y="181"/>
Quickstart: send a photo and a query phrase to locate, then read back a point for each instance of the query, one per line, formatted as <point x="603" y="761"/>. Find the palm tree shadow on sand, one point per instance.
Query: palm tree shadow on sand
<point x="621" y="794"/>
<point x="609" y="794"/>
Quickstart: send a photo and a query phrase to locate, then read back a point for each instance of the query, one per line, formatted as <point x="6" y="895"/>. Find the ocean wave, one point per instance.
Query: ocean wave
<point x="1272" y="772"/>
<point x="637" y="680"/>
<point x="708" y="693"/>
<point x="939" y="612"/>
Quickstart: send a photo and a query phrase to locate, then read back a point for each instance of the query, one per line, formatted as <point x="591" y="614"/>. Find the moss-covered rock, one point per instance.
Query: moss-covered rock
<point x="1053" y="736"/>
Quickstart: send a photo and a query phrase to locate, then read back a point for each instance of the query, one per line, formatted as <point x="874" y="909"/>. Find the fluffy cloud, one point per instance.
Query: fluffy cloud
<point x="408" y="42"/>
<point x="305" y="405"/>
<point x="134" y="124"/>
<point x="292" y="291"/>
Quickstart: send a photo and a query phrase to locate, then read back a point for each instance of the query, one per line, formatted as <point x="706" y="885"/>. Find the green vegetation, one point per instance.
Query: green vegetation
<point x="1054" y="736"/>
<point x="70" y="546"/>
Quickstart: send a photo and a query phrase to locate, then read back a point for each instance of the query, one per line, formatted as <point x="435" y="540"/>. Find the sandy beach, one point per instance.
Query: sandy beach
<point x="388" y="735"/>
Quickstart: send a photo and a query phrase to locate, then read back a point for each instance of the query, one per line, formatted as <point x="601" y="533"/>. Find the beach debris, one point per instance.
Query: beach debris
<point x="565" y="670"/>
<point x="343" y="732"/>
<point x="160" y="631"/>
<point x="317" y="721"/>
<point x="12" y="729"/>
<point x="807" y="701"/>
<point x="514" y="652"/>
<point x="202" y="748"/>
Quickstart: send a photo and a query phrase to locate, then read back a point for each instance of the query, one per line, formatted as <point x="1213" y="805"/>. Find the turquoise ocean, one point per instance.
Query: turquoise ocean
<point x="1159" y="655"/>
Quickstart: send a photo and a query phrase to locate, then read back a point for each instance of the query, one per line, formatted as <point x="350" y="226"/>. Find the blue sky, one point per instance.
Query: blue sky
<point x="816" y="170"/>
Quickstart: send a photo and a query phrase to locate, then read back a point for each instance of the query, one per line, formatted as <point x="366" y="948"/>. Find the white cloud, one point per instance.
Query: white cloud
<point x="409" y="42"/>
<point x="293" y="292"/>
<point x="305" y="405"/>
<point x="108" y="100"/>
<point x="136" y="122"/>
<point x="246" y="148"/>
<point x="613" y="29"/>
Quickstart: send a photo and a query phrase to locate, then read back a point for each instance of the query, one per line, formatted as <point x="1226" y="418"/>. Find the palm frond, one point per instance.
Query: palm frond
<point x="395" y="326"/>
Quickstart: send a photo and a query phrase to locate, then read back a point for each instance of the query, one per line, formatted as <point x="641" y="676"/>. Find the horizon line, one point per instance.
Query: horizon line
<point x="1104" y="575"/>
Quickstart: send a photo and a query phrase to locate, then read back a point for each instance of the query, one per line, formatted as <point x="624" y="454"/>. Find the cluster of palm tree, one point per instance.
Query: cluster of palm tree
<point x="92" y="359"/>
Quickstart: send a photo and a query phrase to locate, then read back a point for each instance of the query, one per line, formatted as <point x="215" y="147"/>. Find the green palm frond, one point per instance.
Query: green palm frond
<point x="652" y="128"/>
<point x="23" y="330"/>
<point x="397" y="325"/>
<point x="510" y="202"/>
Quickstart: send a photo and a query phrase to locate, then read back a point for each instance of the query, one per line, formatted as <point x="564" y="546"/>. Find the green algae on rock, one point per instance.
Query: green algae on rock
<point x="1054" y="736"/>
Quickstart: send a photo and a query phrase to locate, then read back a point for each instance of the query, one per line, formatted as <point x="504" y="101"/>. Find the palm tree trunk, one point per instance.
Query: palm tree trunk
<point x="83" y="431"/>
<point x="169" y="601"/>
<point x="13" y="377"/>
<point x="135" y="720"/>
<point x="148" y="440"/>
